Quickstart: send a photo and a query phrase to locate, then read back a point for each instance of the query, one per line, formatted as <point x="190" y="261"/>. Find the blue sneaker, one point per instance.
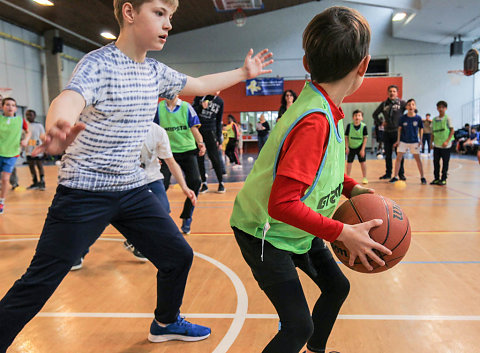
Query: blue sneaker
<point x="180" y="330"/>
<point x="186" y="223"/>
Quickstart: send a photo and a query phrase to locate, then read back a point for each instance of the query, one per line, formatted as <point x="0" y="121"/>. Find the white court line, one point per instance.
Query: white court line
<point x="266" y="316"/>
<point x="238" y="316"/>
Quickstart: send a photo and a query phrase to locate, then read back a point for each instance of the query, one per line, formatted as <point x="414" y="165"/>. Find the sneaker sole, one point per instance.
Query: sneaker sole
<point x="221" y="192"/>
<point x="165" y="338"/>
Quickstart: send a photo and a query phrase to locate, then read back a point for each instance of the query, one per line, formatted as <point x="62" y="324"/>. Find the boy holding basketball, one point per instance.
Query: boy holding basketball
<point x="282" y="214"/>
<point x="101" y="119"/>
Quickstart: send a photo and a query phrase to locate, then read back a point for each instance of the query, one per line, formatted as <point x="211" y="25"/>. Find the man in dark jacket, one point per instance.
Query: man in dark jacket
<point x="388" y="113"/>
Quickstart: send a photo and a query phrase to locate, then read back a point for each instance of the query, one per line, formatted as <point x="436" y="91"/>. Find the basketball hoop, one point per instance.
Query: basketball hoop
<point x="457" y="72"/>
<point x="5" y="92"/>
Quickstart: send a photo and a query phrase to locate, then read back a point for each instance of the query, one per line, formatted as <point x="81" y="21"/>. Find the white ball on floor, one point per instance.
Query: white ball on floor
<point x="58" y="163"/>
<point x="379" y="156"/>
<point x="250" y="159"/>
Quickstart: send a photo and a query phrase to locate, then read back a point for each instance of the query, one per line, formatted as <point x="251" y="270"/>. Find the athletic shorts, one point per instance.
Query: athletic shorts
<point x="413" y="147"/>
<point x="7" y="164"/>
<point x="355" y="152"/>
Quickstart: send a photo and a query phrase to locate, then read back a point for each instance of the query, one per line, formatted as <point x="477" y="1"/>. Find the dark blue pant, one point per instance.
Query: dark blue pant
<point x="261" y="141"/>
<point x="212" y="151"/>
<point x="75" y="220"/>
<point x="426" y="139"/>
<point x="158" y="189"/>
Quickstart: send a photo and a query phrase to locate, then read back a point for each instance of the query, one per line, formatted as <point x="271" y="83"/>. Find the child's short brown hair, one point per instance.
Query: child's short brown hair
<point x="335" y="42"/>
<point x="357" y="111"/>
<point x="5" y="100"/>
<point x="118" y="4"/>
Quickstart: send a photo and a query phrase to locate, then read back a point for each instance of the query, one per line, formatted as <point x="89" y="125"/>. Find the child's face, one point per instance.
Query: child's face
<point x="30" y="116"/>
<point x="357" y="118"/>
<point x="9" y="108"/>
<point x="152" y="24"/>
<point x="411" y="106"/>
<point x="441" y="110"/>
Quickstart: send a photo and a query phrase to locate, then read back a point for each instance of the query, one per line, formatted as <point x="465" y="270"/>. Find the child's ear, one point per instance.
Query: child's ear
<point x="362" y="68"/>
<point x="128" y="12"/>
<point x="305" y="64"/>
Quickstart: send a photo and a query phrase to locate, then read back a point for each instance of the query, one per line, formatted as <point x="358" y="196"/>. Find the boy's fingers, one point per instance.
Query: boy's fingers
<point x="365" y="262"/>
<point x="374" y="223"/>
<point x="376" y="258"/>
<point x="380" y="247"/>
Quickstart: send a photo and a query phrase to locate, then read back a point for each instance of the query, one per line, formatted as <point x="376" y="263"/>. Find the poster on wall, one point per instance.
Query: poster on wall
<point x="264" y="86"/>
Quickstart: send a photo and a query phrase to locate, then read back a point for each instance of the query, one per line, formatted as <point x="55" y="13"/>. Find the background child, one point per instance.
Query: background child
<point x="11" y="127"/>
<point x="355" y="143"/>
<point x="442" y="136"/>
<point x="278" y="224"/>
<point x="231" y="150"/>
<point x="427" y="133"/>
<point x="410" y="127"/>
<point x="102" y="118"/>
<point x="181" y="123"/>
<point x="37" y="133"/>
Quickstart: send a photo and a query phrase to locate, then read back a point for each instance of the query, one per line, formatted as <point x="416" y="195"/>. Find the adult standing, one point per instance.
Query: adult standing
<point x="263" y="128"/>
<point x="427" y="132"/>
<point x="210" y="110"/>
<point x="287" y="100"/>
<point x="390" y="110"/>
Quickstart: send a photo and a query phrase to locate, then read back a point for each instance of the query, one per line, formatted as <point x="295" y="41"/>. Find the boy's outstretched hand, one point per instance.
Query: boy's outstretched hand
<point x="254" y="66"/>
<point x="58" y="138"/>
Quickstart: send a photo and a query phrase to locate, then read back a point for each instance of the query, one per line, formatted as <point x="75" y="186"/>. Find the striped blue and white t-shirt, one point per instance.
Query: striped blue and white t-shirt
<point x="121" y="98"/>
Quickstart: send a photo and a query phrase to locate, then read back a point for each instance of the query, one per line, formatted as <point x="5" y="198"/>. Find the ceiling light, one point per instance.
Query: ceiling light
<point x="44" y="2"/>
<point x="399" y="16"/>
<point x="108" y="35"/>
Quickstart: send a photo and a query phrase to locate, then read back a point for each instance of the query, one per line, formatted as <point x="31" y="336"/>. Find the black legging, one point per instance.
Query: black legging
<point x="231" y="150"/>
<point x="389" y="138"/>
<point x="212" y="151"/>
<point x="188" y="162"/>
<point x="277" y="276"/>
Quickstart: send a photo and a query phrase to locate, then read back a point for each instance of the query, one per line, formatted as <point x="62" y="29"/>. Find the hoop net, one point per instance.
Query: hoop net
<point x="5" y="92"/>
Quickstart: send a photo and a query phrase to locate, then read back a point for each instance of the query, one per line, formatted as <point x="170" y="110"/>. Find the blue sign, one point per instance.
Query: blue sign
<point x="264" y="86"/>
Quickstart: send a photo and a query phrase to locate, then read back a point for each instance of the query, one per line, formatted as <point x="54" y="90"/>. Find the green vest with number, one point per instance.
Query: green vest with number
<point x="10" y="135"/>
<point x="176" y="125"/>
<point x="355" y="137"/>
<point x="440" y="131"/>
<point x="250" y="211"/>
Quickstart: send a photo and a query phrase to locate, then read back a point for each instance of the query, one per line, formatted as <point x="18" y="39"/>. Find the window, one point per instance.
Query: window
<point x="248" y="121"/>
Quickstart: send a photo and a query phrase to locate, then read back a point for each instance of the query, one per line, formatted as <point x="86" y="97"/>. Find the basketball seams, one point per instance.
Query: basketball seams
<point x="388" y="219"/>
<point x="355" y="210"/>
<point x="404" y="236"/>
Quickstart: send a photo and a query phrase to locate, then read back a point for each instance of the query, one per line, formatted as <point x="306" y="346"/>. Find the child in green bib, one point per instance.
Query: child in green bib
<point x="442" y="136"/>
<point x="355" y="142"/>
<point x="283" y="212"/>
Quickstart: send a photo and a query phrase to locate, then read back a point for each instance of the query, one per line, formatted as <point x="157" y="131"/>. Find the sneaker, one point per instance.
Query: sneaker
<point x="1" y="208"/>
<point x="365" y="181"/>
<point x="77" y="265"/>
<point x="423" y="181"/>
<point x="385" y="177"/>
<point x="14" y="186"/>
<point x="129" y="246"/>
<point x="221" y="188"/>
<point x="33" y="186"/>
<point x="435" y="182"/>
<point x="204" y="188"/>
<point x="41" y="185"/>
<point x="180" y="330"/>
<point x="237" y="166"/>
<point x="402" y="177"/>
<point x="186" y="223"/>
<point x="394" y="179"/>
<point x="442" y="182"/>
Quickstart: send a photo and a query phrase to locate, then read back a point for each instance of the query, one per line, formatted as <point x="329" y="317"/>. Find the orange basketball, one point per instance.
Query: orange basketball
<point x="394" y="233"/>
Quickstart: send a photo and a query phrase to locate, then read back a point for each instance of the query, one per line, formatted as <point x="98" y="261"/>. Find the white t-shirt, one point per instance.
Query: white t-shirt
<point x="155" y="146"/>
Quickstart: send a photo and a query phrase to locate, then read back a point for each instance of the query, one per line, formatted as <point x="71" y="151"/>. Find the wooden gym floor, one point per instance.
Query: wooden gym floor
<point x="427" y="303"/>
